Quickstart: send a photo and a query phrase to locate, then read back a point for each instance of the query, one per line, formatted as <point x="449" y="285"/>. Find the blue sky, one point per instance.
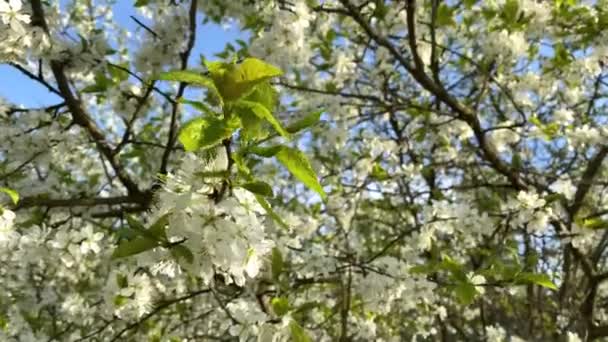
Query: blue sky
<point x="19" y="89"/>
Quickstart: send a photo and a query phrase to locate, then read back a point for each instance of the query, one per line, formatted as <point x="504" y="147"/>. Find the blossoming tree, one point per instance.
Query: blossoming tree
<point x="356" y="171"/>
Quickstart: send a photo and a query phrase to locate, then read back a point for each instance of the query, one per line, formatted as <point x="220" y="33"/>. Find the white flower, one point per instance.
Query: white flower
<point x="572" y="337"/>
<point x="478" y="281"/>
<point x="495" y="334"/>
<point x="6" y="220"/>
<point x="564" y="187"/>
<point x="504" y="137"/>
<point x="539" y="221"/>
<point x="563" y="115"/>
<point x="8" y="235"/>
<point x="584" y="135"/>
<point x="91" y="241"/>
<point x="345" y="67"/>
<point x="246" y="312"/>
<point x="530" y="200"/>
<point x="61" y="240"/>
<point x="73" y="304"/>
<point x="10" y="15"/>
<point x="425" y="239"/>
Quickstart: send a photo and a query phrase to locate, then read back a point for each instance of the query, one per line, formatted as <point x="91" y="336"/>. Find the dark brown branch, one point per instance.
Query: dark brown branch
<point x="156" y="310"/>
<point x="79" y="116"/>
<point x="587" y="180"/>
<point x="464" y="113"/>
<point x="29" y="202"/>
<point x="185" y="55"/>
<point x="38" y="78"/>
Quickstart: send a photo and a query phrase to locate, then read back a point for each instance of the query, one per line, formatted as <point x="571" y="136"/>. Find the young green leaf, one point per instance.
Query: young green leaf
<point x="271" y="212"/>
<point x="157" y="229"/>
<point x="379" y="173"/>
<point x="305" y="122"/>
<point x="255" y="108"/>
<point x="266" y="152"/>
<point x="264" y="94"/>
<point x="297" y="163"/>
<point x="201" y="133"/>
<point x="276" y="263"/>
<point x="186" y="76"/>
<point x="593" y="223"/>
<point x="298" y="334"/>
<point x="135" y="246"/>
<point x="465" y="292"/>
<point x="258" y="188"/>
<point x="253" y="128"/>
<point x="118" y="72"/>
<point x="11" y="193"/>
<point x="237" y="80"/>
<point x="536" y="279"/>
<point x="182" y="252"/>
<point x="253" y="69"/>
<point x="201" y="107"/>
<point x="134" y="224"/>
<point x="190" y="77"/>
<point x="280" y="306"/>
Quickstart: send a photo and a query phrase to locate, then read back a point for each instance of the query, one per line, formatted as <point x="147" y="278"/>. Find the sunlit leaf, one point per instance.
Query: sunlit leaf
<point x="305" y="122"/>
<point x="258" y="188"/>
<point x="201" y="133"/>
<point x="11" y="193"/>
<point x="298" y="165"/>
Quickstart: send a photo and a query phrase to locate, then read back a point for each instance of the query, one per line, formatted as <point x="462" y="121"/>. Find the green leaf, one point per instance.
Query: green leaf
<point x="216" y="68"/>
<point x="257" y="109"/>
<point x="95" y="88"/>
<point x="258" y="188"/>
<point x="453" y="267"/>
<point x="297" y="163"/>
<point x="237" y="80"/>
<point x="135" y="246"/>
<point x="11" y="193"/>
<point x="190" y="77"/>
<point x="469" y="3"/>
<point x="186" y="76"/>
<point x="140" y="3"/>
<point x="424" y="268"/>
<point x="595" y="223"/>
<point x="465" y="292"/>
<point x="182" y="252"/>
<point x="118" y="74"/>
<point x="201" y="107"/>
<point x="379" y="173"/>
<point x="305" y="122"/>
<point x="253" y="69"/>
<point x="271" y="212"/>
<point x="102" y="83"/>
<point x="120" y="300"/>
<point x="253" y="128"/>
<point x="298" y="334"/>
<point x="135" y="224"/>
<point x="516" y="161"/>
<point x="510" y="10"/>
<point x="201" y="133"/>
<point x="276" y="263"/>
<point x="122" y="281"/>
<point x="157" y="230"/>
<point x="536" y="279"/>
<point x="266" y="152"/>
<point x="280" y="306"/>
<point x="445" y="15"/>
<point x="265" y="94"/>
